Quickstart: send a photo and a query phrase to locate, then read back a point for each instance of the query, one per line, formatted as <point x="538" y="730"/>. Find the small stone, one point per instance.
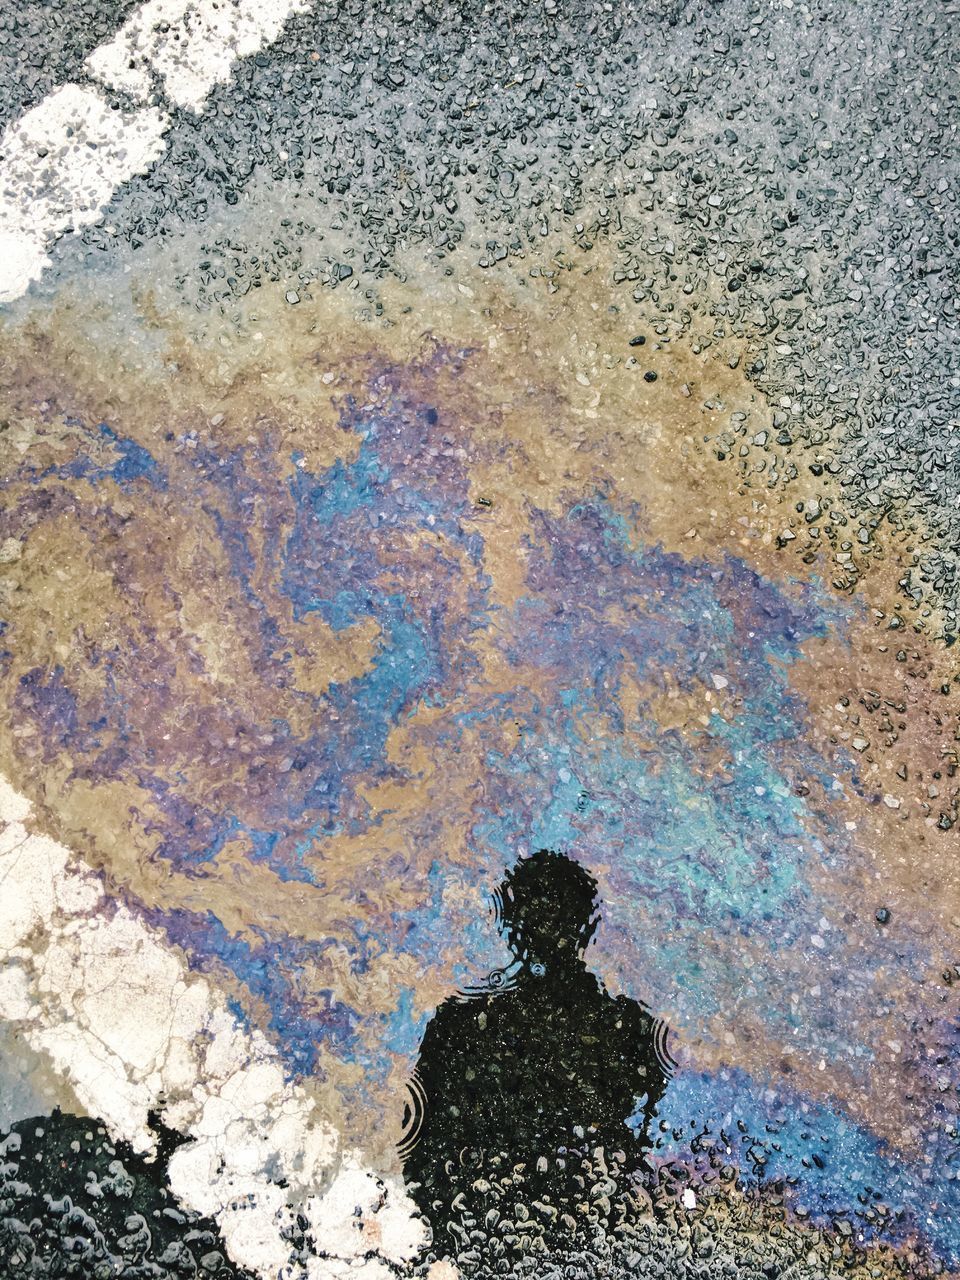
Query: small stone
<point x="882" y="915"/>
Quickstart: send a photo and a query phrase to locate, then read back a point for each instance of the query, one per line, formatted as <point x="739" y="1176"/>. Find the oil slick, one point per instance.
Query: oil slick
<point x="298" y="676"/>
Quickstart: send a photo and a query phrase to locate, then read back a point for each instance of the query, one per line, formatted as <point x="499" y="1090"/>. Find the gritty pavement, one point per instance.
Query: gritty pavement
<point x="783" y="172"/>
<point x="427" y="425"/>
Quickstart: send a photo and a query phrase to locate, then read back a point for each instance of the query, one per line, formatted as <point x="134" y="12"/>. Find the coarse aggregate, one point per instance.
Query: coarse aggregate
<point x="494" y="424"/>
<point x="44" y="42"/>
<point x="75" y="1203"/>
<point x="785" y="174"/>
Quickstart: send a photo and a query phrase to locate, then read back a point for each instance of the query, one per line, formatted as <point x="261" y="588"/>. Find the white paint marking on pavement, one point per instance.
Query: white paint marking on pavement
<point x="116" y="1011"/>
<point x="189" y="44"/>
<point x="62" y="161"/>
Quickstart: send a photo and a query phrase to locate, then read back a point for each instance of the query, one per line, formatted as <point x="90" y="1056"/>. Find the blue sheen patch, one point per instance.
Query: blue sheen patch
<point x="774" y="1135"/>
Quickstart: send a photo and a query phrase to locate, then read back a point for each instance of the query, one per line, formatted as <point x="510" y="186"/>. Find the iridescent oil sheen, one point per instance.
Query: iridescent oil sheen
<point x="304" y="685"/>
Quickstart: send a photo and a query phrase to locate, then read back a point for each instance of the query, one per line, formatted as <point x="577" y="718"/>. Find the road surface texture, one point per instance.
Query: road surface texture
<point x="431" y="434"/>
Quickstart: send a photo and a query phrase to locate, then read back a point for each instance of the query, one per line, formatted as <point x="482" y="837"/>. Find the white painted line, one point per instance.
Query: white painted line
<point x="62" y="161"/>
<point x="114" y="1009"/>
<point x="190" y="45"/>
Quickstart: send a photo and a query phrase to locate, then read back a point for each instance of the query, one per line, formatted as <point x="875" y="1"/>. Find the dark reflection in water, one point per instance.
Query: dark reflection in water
<point x="75" y="1203"/>
<point x="522" y="1093"/>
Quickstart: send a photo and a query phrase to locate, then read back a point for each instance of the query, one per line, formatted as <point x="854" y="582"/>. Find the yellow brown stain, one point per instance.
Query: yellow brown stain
<point x="549" y="404"/>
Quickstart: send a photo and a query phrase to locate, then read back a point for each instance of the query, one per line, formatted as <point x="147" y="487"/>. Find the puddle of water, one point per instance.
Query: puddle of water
<point x="302" y="673"/>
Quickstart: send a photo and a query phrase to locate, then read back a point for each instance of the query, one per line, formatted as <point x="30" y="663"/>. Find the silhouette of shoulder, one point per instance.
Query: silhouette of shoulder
<point x="456" y="1017"/>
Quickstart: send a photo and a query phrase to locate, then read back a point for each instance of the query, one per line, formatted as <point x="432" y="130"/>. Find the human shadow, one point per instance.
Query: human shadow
<point x="517" y="1125"/>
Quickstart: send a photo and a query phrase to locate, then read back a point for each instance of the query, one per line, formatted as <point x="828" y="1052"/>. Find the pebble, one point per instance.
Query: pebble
<point x="397" y="130"/>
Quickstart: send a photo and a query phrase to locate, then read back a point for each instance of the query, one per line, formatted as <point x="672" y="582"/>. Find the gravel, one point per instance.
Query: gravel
<point x="44" y="42"/>
<point x="781" y="173"/>
<point x="75" y="1203"/>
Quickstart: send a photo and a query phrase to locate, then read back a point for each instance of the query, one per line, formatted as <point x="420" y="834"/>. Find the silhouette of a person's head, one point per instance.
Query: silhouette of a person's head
<point x="521" y="1083"/>
<point x="547" y="909"/>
